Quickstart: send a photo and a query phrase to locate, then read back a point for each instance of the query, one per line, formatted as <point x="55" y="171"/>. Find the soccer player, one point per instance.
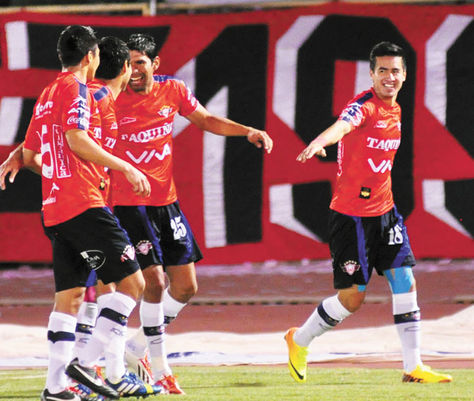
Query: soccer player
<point x="83" y="232"/>
<point x="156" y="225"/>
<point x="366" y="230"/>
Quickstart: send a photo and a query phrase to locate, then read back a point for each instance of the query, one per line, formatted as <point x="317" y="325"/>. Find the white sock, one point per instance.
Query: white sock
<point x="171" y="307"/>
<point x="136" y="344"/>
<point x="103" y="299"/>
<point x="86" y="318"/>
<point x="329" y="313"/>
<point x="109" y="336"/>
<point x="61" y="327"/>
<point x="152" y="319"/>
<point x="407" y="321"/>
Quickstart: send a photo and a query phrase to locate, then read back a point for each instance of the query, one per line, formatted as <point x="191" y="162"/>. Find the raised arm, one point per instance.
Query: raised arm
<point x="223" y="126"/>
<point x="328" y="137"/>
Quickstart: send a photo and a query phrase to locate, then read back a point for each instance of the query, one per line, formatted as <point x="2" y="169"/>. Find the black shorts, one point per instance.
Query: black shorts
<point x="161" y="234"/>
<point x="90" y="241"/>
<point x="360" y="244"/>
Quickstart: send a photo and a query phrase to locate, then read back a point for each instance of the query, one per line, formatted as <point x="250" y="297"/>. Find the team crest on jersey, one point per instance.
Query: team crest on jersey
<point x="381" y="124"/>
<point x="128" y="253"/>
<point x="94" y="258"/>
<point x="350" y="267"/>
<point x="165" y="111"/>
<point x="144" y="247"/>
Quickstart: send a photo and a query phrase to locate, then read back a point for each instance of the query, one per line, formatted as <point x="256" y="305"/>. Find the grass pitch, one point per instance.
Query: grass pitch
<point x="268" y="383"/>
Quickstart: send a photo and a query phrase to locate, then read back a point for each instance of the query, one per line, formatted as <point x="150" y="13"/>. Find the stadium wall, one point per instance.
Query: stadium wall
<point x="289" y="72"/>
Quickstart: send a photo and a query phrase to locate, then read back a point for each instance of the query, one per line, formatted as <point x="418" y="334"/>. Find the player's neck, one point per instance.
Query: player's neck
<point x="78" y="71"/>
<point x="115" y="86"/>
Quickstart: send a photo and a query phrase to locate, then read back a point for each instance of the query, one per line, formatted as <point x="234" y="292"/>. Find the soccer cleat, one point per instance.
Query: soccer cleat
<point x="63" y="395"/>
<point x="296" y="357"/>
<point x="170" y="383"/>
<point x="90" y="378"/>
<point x="141" y="366"/>
<point x="131" y="386"/>
<point x="85" y="393"/>
<point x="424" y="374"/>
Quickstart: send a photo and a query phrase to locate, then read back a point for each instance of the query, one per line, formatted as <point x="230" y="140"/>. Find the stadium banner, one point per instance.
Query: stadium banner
<point x="290" y="72"/>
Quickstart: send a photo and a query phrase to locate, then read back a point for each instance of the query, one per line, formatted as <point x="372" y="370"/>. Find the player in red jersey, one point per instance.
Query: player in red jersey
<point x="366" y="231"/>
<point x="84" y="233"/>
<point x="156" y="225"/>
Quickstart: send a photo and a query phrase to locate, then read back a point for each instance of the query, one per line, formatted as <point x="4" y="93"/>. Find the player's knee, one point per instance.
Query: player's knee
<point x="155" y="280"/>
<point x="401" y="280"/>
<point x="352" y="299"/>
<point x="185" y="291"/>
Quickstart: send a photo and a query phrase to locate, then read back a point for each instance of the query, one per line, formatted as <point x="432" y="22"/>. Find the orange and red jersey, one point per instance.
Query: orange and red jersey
<point x="365" y="157"/>
<point x="103" y="120"/>
<point x="70" y="185"/>
<point x="145" y="139"/>
<point x="103" y="124"/>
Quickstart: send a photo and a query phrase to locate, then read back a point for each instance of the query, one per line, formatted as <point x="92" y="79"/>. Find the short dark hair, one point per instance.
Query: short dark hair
<point x="74" y="42"/>
<point x="113" y="54"/>
<point x="386" y="49"/>
<point x="143" y="43"/>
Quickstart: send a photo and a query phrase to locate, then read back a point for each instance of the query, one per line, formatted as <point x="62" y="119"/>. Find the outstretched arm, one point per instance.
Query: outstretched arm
<point x="11" y="165"/>
<point x="328" y="137"/>
<point x="223" y="126"/>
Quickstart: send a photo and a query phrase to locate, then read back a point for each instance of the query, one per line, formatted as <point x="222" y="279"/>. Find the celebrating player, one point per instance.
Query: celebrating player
<point x="156" y="225"/>
<point x="366" y="230"/>
<point x="83" y="232"/>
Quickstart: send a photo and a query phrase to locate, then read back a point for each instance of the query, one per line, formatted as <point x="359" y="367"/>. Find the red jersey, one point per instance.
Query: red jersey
<point x="70" y="185"/>
<point x="145" y="139"/>
<point x="103" y="124"/>
<point x="365" y="156"/>
<point x="103" y="119"/>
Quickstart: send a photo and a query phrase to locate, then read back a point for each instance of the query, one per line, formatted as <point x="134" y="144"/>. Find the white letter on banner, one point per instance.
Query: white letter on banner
<point x="282" y="213"/>
<point x="187" y="73"/>
<point x="434" y="200"/>
<point x="213" y="177"/>
<point x="286" y="54"/>
<point x="436" y="49"/>
<point x="17" y="45"/>
<point x="10" y="114"/>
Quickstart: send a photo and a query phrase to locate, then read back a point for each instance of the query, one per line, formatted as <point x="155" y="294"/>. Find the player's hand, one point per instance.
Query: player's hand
<point x="12" y="166"/>
<point x="260" y="138"/>
<point x="312" y="149"/>
<point x="140" y="184"/>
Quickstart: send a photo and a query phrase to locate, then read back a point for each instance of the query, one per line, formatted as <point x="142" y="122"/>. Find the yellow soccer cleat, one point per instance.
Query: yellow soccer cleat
<point x="296" y="357"/>
<point x="424" y="374"/>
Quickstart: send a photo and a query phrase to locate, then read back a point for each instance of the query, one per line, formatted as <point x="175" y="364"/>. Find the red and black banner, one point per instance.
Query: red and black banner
<point x="289" y="72"/>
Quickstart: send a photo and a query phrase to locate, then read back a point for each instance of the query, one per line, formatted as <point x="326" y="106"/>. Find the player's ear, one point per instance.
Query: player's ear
<point x="156" y="63"/>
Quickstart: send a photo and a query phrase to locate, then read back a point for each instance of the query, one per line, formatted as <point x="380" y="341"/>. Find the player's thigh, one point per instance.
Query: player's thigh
<point x="102" y="244"/>
<point x="177" y="240"/>
<point x="68" y="267"/>
<point x="348" y="245"/>
<point x="394" y="248"/>
<point x="143" y="234"/>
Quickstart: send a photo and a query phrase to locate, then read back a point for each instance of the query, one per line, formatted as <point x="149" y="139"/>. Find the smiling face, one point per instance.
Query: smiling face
<point x="388" y="76"/>
<point x="143" y="68"/>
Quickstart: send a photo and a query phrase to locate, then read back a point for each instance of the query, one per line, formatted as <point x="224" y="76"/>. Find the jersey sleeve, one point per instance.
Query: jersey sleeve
<point x="108" y="122"/>
<point x="354" y="114"/>
<point x="188" y="102"/>
<point x="77" y="107"/>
